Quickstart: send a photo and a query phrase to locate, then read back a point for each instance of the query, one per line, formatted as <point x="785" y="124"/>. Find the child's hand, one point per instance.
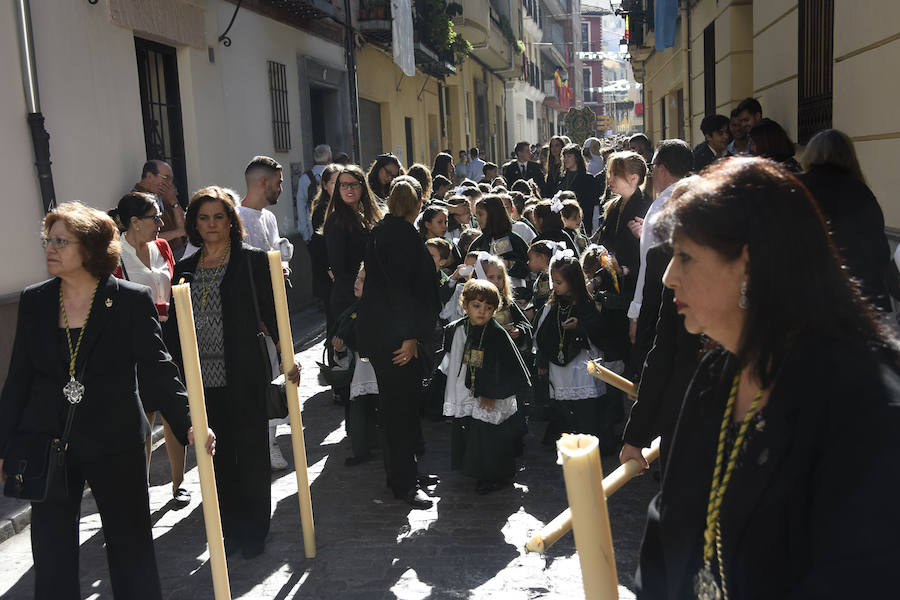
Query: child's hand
<point x="486" y="403"/>
<point x="337" y="343"/>
<point x="570" y="324"/>
<point x="514" y="333"/>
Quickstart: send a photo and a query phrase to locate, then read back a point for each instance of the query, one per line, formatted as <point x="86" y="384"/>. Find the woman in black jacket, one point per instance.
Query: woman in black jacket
<point x="779" y="481"/>
<point x="398" y="312"/>
<point x="228" y="277"/>
<point x="351" y="215"/>
<point x="578" y="181"/>
<point x="851" y="211"/>
<point x="99" y="338"/>
<point x="625" y="173"/>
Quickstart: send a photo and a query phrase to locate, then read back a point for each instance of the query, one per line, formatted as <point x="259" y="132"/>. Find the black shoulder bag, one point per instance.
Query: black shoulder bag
<point x="35" y="463"/>
<point x="276" y="394"/>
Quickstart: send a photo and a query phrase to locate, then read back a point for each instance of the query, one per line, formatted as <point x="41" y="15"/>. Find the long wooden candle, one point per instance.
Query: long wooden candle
<point x="562" y="524"/>
<point x="614" y="379"/>
<point x="286" y="343"/>
<point x="194" y="382"/>
<point x="580" y="458"/>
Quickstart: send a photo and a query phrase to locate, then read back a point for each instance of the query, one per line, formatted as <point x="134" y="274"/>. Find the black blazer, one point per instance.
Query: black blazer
<point x="857" y="228"/>
<point x="533" y="170"/>
<point x="400" y="298"/>
<point x="811" y="508"/>
<point x="553" y="180"/>
<point x="703" y="156"/>
<point x="669" y="356"/>
<point x="618" y="239"/>
<point x="122" y="351"/>
<point x="657" y="261"/>
<point x="585" y="188"/>
<point x="345" y="252"/>
<point x="245" y="365"/>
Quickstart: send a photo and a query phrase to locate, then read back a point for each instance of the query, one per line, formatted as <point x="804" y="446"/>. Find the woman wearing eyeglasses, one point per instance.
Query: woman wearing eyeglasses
<point x="350" y="217"/>
<point x="147" y="259"/>
<point x="382" y="172"/>
<point x="85" y="343"/>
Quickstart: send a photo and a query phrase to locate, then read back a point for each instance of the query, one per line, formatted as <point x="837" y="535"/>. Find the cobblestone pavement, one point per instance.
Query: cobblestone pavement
<point x="370" y="546"/>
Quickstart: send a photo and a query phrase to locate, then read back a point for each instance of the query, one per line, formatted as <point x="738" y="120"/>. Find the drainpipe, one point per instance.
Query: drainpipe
<point x="39" y="136"/>
<point x="686" y="68"/>
<point x="351" y="81"/>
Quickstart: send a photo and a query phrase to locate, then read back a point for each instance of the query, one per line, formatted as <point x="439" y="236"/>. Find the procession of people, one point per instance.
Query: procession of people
<point x="745" y="293"/>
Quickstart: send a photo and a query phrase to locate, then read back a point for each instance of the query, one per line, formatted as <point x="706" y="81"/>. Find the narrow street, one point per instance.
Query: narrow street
<point x="370" y="546"/>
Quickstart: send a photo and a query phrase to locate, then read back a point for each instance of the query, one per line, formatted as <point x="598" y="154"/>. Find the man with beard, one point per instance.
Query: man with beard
<point x="264" y="178"/>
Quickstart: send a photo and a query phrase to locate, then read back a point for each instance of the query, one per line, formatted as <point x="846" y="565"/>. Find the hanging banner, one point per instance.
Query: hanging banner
<point x="402" y="34"/>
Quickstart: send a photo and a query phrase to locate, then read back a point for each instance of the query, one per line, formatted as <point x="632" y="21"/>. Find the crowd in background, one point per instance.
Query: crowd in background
<point x="746" y="293"/>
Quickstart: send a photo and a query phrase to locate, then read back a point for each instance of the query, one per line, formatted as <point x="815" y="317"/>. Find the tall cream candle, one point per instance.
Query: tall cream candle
<point x="286" y="344"/>
<point x="612" y="378"/>
<point x="580" y="458"/>
<point x="194" y="382"/>
<point x="562" y="524"/>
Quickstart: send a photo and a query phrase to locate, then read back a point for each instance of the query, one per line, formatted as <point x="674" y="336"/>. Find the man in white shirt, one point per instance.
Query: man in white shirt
<point x="476" y="166"/>
<point x="672" y="162"/>
<point x="264" y="179"/>
<point x="321" y="156"/>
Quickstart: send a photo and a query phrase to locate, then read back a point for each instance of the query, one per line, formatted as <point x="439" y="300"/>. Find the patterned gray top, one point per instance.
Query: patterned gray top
<point x="210" y="330"/>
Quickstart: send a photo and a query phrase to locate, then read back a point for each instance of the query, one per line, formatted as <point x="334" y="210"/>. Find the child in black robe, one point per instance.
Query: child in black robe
<point x="360" y="413"/>
<point x="568" y="334"/>
<point x="483" y="370"/>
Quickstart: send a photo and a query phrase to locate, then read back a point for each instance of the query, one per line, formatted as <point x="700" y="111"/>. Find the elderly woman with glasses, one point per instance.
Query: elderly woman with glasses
<point x="147" y="260"/>
<point x="85" y="342"/>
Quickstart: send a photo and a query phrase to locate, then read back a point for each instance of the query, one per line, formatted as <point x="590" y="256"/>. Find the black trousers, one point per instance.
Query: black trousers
<point x="400" y="396"/>
<point x="119" y="485"/>
<point x="243" y="470"/>
<point x="360" y="415"/>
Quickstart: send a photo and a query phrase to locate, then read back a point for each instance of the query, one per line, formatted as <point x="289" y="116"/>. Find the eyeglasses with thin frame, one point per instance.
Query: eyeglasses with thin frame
<point x="58" y="243"/>
<point x="157" y="218"/>
<point x="350" y="185"/>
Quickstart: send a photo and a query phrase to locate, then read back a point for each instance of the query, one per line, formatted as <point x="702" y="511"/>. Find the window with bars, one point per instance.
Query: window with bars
<point x="281" y="125"/>
<point x="815" y="71"/>
<point x="709" y="69"/>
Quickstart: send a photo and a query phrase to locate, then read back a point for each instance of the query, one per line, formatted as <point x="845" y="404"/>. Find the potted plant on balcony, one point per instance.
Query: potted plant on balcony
<point x="439" y="32"/>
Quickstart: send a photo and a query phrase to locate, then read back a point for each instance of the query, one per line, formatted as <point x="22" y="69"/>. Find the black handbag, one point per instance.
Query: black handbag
<point x="35" y="464"/>
<point x="332" y="374"/>
<point x="276" y="394"/>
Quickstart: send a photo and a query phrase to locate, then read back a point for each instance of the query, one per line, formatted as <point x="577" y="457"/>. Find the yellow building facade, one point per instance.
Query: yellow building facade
<point x="418" y="117"/>
<point x="754" y="49"/>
